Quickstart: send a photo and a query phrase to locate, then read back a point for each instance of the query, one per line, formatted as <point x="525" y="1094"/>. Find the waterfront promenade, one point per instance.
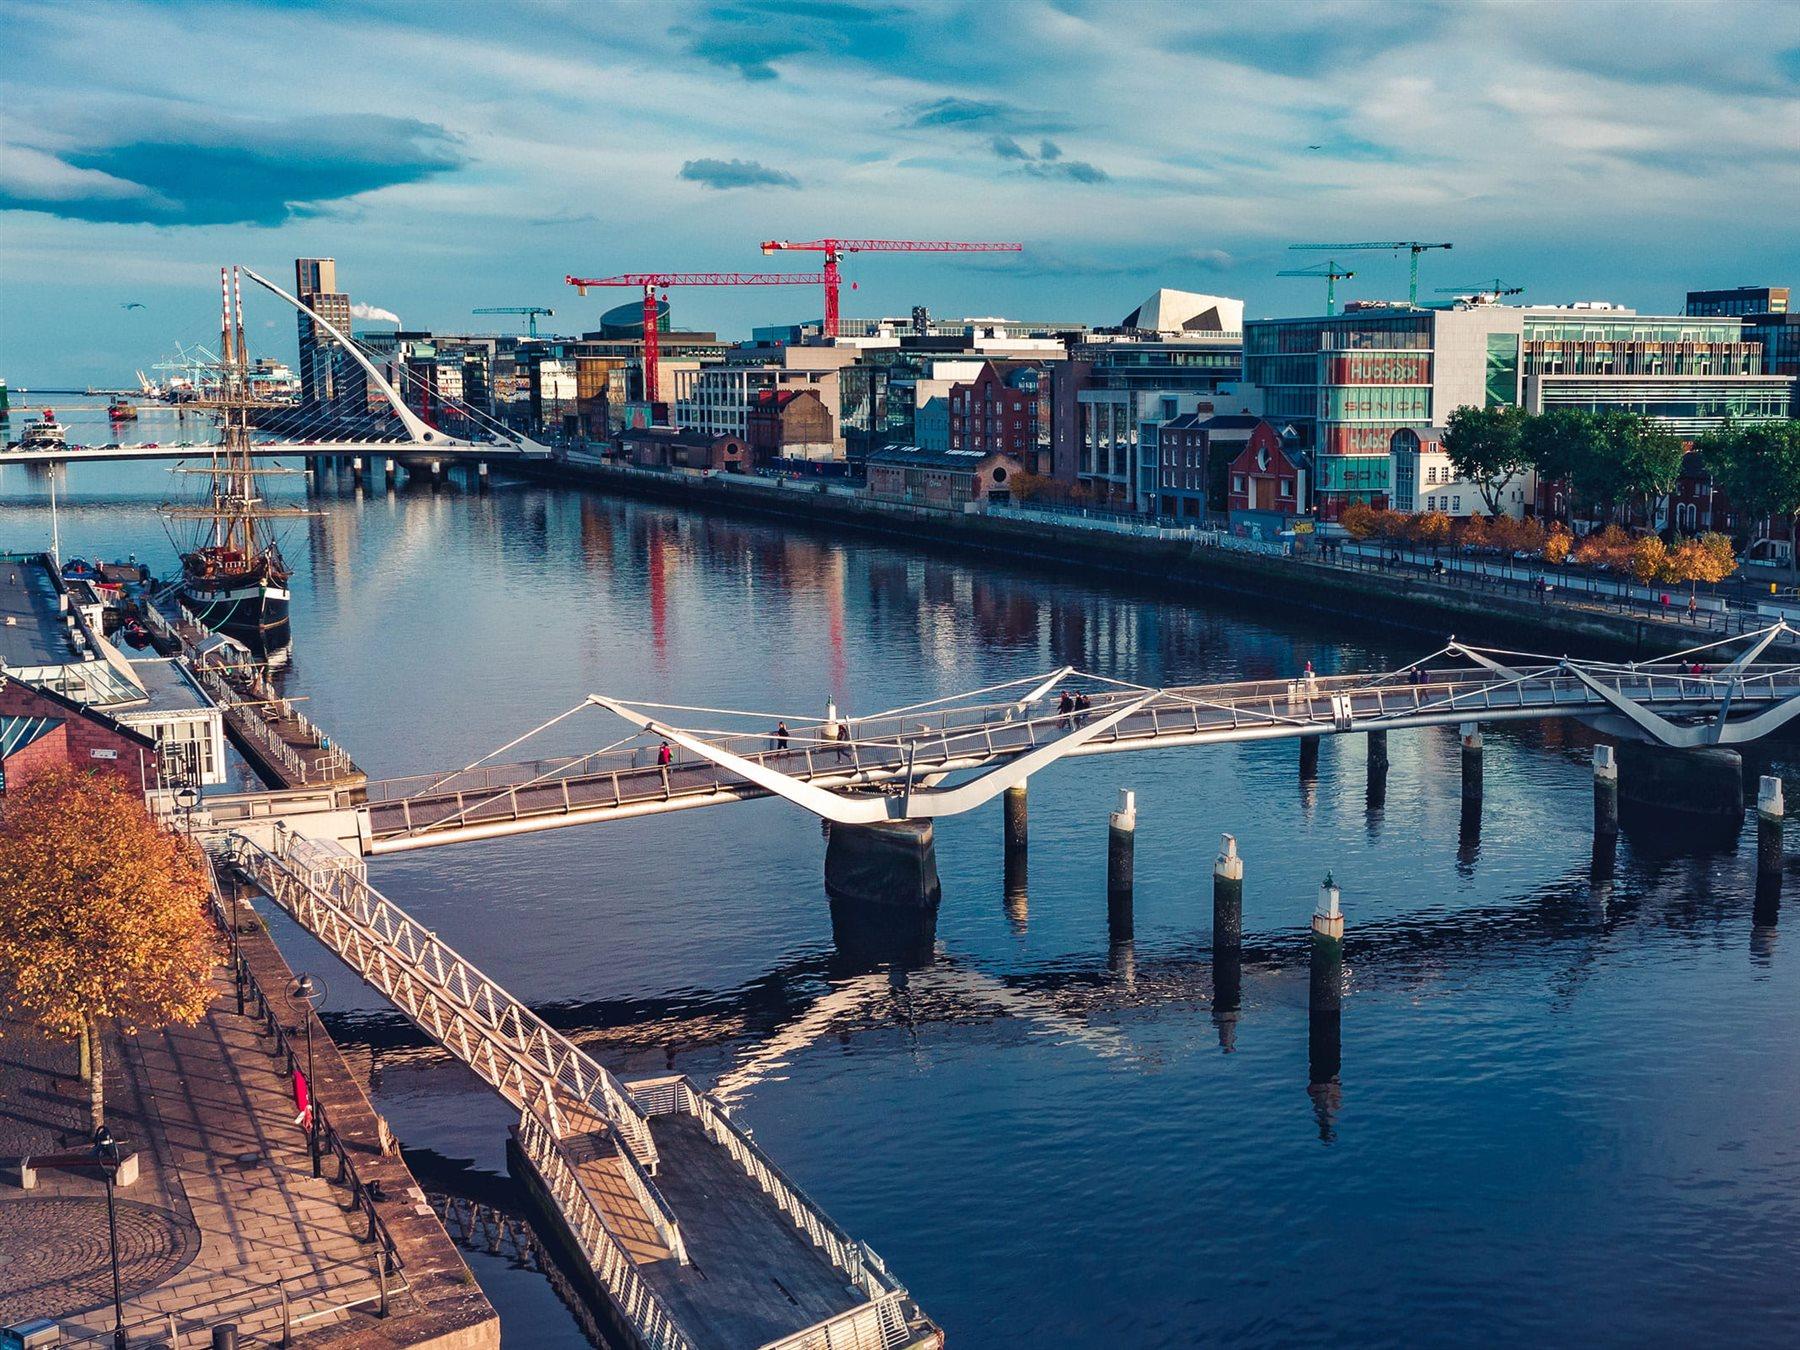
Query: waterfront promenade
<point x="226" y="1223"/>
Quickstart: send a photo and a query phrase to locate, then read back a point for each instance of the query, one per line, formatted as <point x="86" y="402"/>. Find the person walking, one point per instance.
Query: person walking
<point x="843" y="740"/>
<point x="1693" y="609"/>
<point x="781" y="735"/>
<point x="1082" y="704"/>
<point x="1312" y="680"/>
<point x="664" y="756"/>
<point x="1064" y="706"/>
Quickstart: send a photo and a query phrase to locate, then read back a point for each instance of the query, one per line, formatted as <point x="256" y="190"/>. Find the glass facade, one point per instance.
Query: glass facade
<point x="1689" y="407"/>
<point x="1502" y="369"/>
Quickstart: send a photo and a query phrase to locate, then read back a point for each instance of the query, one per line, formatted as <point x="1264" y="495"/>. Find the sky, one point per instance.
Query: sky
<point x="458" y="153"/>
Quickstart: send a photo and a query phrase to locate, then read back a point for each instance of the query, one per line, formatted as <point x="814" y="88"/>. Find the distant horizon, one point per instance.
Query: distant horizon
<point x="453" y="158"/>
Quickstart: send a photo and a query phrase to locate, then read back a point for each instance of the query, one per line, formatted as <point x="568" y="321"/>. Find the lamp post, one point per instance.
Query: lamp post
<point x="106" y="1153"/>
<point x="310" y="992"/>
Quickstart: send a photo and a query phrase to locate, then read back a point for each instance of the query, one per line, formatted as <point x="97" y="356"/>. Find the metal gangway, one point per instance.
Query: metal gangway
<point x="649" y="1179"/>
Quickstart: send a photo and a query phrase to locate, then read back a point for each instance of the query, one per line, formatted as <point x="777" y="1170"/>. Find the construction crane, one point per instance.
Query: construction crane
<point x="1332" y="276"/>
<point x="1412" y="246"/>
<point x="649" y="282"/>
<point x="530" y="312"/>
<point x="1489" y="294"/>
<point x="834" y="250"/>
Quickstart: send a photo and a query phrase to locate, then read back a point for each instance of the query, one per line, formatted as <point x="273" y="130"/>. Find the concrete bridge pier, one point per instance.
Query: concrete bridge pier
<point x="481" y="476"/>
<point x="1702" y="788"/>
<point x="1470" y="733"/>
<point x="1309" y="758"/>
<point x="1121" y="846"/>
<point x="1013" y="806"/>
<point x="1228" y="942"/>
<point x="1606" y="793"/>
<point x="390" y="469"/>
<point x="1378" y="770"/>
<point x="882" y="881"/>
<point x="356" y="469"/>
<point x="1324" y="1040"/>
<point x="1771" y="809"/>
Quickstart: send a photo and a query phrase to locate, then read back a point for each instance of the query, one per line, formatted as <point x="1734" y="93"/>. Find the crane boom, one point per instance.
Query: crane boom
<point x="834" y="249"/>
<point x="529" y="312"/>
<point x="1412" y="246"/>
<point x="1332" y="275"/>
<point x="649" y="281"/>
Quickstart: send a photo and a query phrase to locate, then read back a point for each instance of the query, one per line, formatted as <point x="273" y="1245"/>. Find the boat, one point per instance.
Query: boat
<point x="4" y="397"/>
<point x="233" y="577"/>
<point x="121" y="411"/>
<point x="44" y="433"/>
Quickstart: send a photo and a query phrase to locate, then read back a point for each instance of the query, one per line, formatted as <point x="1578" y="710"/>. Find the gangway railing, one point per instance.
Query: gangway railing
<point x="325" y="888"/>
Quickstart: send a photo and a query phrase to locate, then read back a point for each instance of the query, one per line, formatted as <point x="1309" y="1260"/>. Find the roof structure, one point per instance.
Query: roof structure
<point x="918" y="457"/>
<point x="1169" y="311"/>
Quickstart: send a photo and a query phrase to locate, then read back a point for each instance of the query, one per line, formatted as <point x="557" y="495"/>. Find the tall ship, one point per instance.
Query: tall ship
<point x="233" y="577"/>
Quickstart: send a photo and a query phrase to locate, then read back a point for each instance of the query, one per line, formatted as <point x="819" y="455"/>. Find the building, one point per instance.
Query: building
<point x="947" y="479"/>
<point x="1424" y="481"/>
<point x="1004" y="408"/>
<point x="1345" y="384"/>
<point x="1738" y="302"/>
<point x="41" y="729"/>
<point x="1195" y="450"/>
<point x="51" y="640"/>
<point x="1265" y="483"/>
<point x="659" y="447"/>
<point x="329" y="376"/>
<point x="791" y="424"/>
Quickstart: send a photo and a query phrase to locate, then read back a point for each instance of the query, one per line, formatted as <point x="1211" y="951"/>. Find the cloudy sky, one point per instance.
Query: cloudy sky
<point x="460" y="153"/>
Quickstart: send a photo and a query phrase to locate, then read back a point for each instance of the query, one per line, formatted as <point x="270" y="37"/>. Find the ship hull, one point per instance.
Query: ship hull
<point x="254" y="611"/>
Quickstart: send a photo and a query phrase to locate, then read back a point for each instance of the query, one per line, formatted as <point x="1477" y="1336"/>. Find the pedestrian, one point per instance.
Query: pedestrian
<point x="1312" y="680"/>
<point x="1064" y="706"/>
<point x="843" y="740"/>
<point x="1693" y="609"/>
<point x="1082" y="704"/>
<point x="664" y="755"/>
<point x="781" y="735"/>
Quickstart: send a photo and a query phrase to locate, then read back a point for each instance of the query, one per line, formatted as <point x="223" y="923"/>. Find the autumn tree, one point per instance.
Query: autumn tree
<point x="104" y="915"/>
<point x="1486" y="447"/>
<point x="1558" y="544"/>
<point x="1360" y="520"/>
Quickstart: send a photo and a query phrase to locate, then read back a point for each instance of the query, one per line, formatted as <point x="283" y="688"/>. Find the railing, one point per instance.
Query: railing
<point x="445" y="995"/>
<point x="876" y="1325"/>
<point x="632" y="1294"/>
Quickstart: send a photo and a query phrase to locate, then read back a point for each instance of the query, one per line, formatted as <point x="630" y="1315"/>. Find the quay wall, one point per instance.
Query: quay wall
<point x="1391" y="600"/>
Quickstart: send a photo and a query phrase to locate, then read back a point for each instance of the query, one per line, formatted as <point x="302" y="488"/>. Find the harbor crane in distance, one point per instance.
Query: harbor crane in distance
<point x="1491" y="295"/>
<point x="1412" y="246"/>
<point x="834" y="250"/>
<point x="1328" y="270"/>
<point x="530" y="312"/>
<point x="651" y="282"/>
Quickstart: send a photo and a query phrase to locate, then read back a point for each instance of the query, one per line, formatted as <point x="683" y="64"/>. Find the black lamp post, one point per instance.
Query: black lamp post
<point x="106" y="1153"/>
<point x="310" y="992"/>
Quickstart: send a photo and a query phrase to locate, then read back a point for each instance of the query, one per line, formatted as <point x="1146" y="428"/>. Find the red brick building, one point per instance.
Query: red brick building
<point x="943" y="478"/>
<point x="666" y="448"/>
<point x="1004" y="410"/>
<point x="790" y="424"/>
<point x="41" y="730"/>
<point x="1267" y="483"/>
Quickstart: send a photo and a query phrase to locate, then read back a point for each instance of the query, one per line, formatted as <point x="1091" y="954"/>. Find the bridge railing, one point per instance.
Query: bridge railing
<point x="444" y="994"/>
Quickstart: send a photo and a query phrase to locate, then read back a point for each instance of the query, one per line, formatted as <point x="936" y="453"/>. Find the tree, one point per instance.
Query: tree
<point x="1759" y="468"/>
<point x="104" y="915"/>
<point x="1360" y="520"/>
<point x="1431" y="527"/>
<point x="1558" y="544"/>
<point x="1563" y="446"/>
<point x="1646" y="458"/>
<point x="1648" y="559"/>
<point x="1486" y="447"/>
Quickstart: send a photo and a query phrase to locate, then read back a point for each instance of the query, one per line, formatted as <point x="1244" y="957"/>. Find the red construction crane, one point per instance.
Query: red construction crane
<point x="834" y="250"/>
<point x="650" y="281"/>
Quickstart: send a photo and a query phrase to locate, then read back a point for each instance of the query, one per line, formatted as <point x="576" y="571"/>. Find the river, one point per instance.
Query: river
<point x="1564" y="1110"/>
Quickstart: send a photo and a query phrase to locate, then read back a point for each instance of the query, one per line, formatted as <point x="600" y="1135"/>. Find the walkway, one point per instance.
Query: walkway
<point x="225" y="1213"/>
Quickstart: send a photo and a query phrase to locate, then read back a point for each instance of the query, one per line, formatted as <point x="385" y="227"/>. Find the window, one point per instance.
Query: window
<point x="1456" y="502"/>
<point x="1237" y="482"/>
<point x="1287" y="487"/>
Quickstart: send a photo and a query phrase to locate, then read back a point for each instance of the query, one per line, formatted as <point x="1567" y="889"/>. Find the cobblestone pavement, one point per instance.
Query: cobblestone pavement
<point x="226" y="1213"/>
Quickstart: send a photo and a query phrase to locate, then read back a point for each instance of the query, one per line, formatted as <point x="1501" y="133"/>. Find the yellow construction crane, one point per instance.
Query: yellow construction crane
<point x="1412" y="246"/>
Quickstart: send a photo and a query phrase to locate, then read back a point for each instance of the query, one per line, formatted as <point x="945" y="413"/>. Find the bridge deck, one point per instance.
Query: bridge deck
<point x="410" y="813"/>
<point x="753" y="1277"/>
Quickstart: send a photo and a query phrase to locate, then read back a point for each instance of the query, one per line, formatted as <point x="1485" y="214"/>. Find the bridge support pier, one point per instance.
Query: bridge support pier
<point x="882" y="881"/>
<point x="1013" y="805"/>
<point x="1325" y="1004"/>
<point x="1771" y="808"/>
<point x="1471" y="761"/>
<point x="1228" y="941"/>
<point x="1121" y="845"/>
<point x="390" y="470"/>
<point x="1606" y="793"/>
<point x="1309" y="757"/>
<point x="1698" y="787"/>
<point x="481" y="476"/>
<point x="1378" y="769"/>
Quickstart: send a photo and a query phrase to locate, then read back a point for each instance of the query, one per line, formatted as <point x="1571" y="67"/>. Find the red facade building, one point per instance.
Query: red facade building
<point x="42" y="730"/>
<point x="1266" y="482"/>
<point x="1004" y="410"/>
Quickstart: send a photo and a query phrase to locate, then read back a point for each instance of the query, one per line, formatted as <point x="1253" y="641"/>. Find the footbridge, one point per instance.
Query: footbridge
<point x="950" y="755"/>
<point x="690" y="1233"/>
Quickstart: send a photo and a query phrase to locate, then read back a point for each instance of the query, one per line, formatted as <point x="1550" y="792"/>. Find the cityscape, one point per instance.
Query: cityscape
<point x="1118" y="757"/>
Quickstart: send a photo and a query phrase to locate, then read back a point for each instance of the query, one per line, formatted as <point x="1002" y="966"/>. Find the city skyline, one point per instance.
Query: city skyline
<point x="456" y="158"/>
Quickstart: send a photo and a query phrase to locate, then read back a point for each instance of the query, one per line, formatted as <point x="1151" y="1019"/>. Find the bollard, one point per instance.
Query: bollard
<point x="1013" y="808"/>
<point x="1309" y="756"/>
<point x="1121" y="837"/>
<point x="1770" y="808"/>
<point x="1228" y="898"/>
<point x="225" y="1337"/>
<point x="1606" y="792"/>
<point x="1327" y="992"/>
<point x="1471" y="761"/>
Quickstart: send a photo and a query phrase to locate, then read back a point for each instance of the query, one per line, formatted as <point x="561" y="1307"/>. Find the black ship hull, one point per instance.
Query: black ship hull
<point x="254" y="611"/>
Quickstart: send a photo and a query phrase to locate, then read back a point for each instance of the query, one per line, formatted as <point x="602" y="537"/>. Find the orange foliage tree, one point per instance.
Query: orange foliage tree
<point x="104" y="918"/>
<point x="1361" y="521"/>
<point x="1431" y="527"/>
<point x="1558" y="544"/>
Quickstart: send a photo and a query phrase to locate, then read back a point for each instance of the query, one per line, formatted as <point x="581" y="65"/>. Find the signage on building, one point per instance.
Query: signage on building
<point x="104" y="754"/>
<point x="1379" y="368"/>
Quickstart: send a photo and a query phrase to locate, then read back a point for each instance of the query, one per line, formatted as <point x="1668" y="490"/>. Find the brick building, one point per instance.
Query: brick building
<point x="41" y="730"/>
<point x="943" y="478"/>
<point x="667" y="448"/>
<point x="1267" y="485"/>
<point x="1004" y="410"/>
<point x="790" y="424"/>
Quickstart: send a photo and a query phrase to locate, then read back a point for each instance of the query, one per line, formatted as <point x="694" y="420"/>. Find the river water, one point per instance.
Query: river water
<point x="1564" y="1110"/>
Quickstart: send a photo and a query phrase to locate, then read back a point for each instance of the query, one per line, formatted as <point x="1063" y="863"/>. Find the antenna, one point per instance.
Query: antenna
<point x="55" y="530"/>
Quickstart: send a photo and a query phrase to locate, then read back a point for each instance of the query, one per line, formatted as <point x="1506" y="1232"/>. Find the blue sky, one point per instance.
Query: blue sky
<point x="455" y="154"/>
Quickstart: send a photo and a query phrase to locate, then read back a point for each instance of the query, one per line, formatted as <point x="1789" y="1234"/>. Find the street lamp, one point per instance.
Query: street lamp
<point x="106" y="1153"/>
<point x="311" y="992"/>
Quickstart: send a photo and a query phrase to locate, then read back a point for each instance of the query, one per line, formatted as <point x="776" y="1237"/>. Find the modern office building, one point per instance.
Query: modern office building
<point x="329" y="377"/>
<point x="1768" y="320"/>
<point x="1345" y="384"/>
<point x="1738" y="302"/>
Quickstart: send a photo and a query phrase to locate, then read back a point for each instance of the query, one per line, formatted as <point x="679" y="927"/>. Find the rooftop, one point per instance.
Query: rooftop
<point x="32" y="631"/>
<point x="168" y="688"/>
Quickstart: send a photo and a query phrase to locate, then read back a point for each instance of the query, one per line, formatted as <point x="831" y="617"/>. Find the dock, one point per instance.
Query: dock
<point x="281" y="743"/>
